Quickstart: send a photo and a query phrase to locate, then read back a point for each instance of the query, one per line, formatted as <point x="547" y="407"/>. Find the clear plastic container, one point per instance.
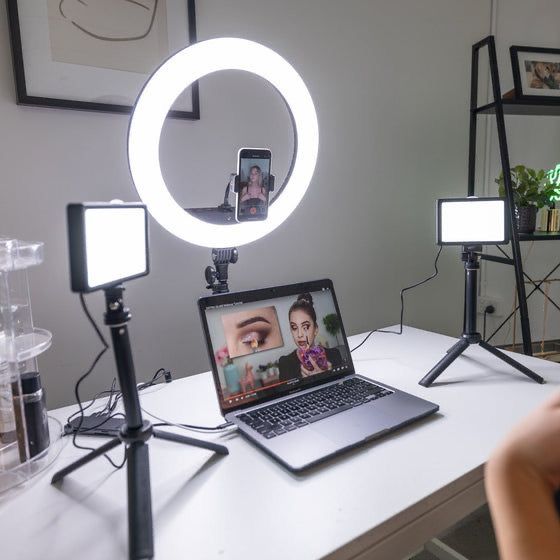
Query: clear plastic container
<point x="20" y="344"/>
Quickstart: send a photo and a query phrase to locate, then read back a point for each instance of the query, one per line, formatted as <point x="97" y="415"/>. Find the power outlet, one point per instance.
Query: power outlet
<point x="485" y="301"/>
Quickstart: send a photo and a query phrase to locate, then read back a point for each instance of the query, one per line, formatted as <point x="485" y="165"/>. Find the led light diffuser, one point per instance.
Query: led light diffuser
<point x="108" y="244"/>
<point x="157" y="97"/>
<point x="467" y="221"/>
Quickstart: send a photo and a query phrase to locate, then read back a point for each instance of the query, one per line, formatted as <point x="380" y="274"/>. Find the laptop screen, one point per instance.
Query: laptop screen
<point x="269" y="342"/>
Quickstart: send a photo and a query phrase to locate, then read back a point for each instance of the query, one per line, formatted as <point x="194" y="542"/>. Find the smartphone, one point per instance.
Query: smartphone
<point x="253" y="169"/>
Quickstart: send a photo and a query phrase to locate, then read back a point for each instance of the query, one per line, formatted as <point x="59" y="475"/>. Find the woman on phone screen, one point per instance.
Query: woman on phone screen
<point x="254" y="188"/>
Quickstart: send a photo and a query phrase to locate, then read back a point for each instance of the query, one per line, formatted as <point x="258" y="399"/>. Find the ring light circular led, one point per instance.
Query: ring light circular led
<point x="157" y="97"/>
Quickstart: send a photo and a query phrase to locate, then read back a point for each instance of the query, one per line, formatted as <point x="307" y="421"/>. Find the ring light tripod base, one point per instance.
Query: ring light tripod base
<point x="470" y="335"/>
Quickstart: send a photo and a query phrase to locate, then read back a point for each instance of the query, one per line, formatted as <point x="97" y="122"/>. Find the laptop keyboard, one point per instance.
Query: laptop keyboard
<point x="294" y="413"/>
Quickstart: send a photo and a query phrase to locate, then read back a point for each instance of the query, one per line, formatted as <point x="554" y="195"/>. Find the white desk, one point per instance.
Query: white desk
<point x="382" y="501"/>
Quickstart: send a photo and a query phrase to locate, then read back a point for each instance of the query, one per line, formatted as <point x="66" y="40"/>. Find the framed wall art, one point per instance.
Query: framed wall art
<point x="97" y="55"/>
<point x="536" y="73"/>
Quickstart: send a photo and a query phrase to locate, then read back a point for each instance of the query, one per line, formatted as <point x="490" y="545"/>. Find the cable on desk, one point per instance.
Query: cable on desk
<point x="399" y="332"/>
<point x="115" y="396"/>
<point x="107" y="406"/>
<point x="106" y="413"/>
<point x="205" y="429"/>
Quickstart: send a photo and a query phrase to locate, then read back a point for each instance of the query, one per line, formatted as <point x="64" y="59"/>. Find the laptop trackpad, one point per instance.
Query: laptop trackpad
<point x="354" y="425"/>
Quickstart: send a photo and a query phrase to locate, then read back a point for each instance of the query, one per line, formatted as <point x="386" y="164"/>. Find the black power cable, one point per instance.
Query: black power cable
<point x="399" y="332"/>
<point x="83" y="377"/>
<point x="488" y="310"/>
<point x="107" y="412"/>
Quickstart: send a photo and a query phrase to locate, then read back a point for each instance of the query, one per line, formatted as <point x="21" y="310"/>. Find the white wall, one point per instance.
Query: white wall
<point x="533" y="141"/>
<point x="390" y="82"/>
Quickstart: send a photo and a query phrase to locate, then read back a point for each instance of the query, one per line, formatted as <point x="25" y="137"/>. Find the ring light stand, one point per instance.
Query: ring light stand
<point x="151" y="108"/>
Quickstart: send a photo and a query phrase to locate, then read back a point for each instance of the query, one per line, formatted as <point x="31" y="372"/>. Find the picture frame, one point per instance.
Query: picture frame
<point x="70" y="54"/>
<point x="536" y="73"/>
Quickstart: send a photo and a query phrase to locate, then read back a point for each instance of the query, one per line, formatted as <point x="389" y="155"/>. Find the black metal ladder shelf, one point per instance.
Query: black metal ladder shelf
<point x="500" y="107"/>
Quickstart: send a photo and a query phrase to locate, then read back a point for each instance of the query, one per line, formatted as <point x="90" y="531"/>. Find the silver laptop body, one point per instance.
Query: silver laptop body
<point x="265" y="362"/>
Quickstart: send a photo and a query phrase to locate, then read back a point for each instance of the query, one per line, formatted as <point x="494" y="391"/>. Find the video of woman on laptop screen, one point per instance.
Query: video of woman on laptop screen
<point x="261" y="347"/>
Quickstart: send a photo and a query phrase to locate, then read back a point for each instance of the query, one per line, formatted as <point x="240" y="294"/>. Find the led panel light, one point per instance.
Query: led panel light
<point x="472" y="221"/>
<point x="108" y="244"/>
<point x="157" y="97"/>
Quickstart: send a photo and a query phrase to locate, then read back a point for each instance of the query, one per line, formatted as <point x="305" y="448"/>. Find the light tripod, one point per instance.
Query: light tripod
<point x="134" y="434"/>
<point x="470" y="256"/>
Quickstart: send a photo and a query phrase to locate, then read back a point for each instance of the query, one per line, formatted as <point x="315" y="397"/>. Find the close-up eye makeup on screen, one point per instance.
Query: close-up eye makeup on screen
<point x="252" y="331"/>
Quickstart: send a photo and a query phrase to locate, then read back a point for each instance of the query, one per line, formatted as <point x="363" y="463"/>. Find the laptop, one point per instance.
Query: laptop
<point x="284" y="375"/>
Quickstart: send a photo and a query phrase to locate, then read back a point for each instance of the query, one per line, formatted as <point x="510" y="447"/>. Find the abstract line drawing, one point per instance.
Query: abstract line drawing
<point x="96" y="55"/>
<point x="111" y="20"/>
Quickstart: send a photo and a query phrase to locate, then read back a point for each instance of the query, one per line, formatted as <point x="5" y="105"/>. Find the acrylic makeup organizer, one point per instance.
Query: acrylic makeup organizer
<point x="20" y="345"/>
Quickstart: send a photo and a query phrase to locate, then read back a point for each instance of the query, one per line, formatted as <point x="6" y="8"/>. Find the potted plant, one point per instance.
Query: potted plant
<point x="532" y="189"/>
<point x="332" y="324"/>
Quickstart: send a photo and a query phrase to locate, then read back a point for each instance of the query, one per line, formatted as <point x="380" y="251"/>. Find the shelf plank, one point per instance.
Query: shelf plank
<point x="488" y="109"/>
<point x="539" y="236"/>
<point x="521" y="107"/>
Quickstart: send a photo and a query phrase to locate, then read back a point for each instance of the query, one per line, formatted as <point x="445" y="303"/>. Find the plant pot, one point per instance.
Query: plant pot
<point x="526" y="218"/>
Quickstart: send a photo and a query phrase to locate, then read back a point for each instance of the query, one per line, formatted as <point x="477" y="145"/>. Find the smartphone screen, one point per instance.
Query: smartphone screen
<point x="253" y="168"/>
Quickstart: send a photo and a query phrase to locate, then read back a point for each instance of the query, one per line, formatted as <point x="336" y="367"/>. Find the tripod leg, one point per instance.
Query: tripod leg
<point x="511" y="362"/>
<point x="216" y="447"/>
<point x="140" y="528"/>
<point x="452" y="354"/>
<point x="85" y="459"/>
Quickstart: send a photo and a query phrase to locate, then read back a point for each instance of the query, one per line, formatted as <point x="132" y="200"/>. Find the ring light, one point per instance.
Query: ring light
<point x="156" y="99"/>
